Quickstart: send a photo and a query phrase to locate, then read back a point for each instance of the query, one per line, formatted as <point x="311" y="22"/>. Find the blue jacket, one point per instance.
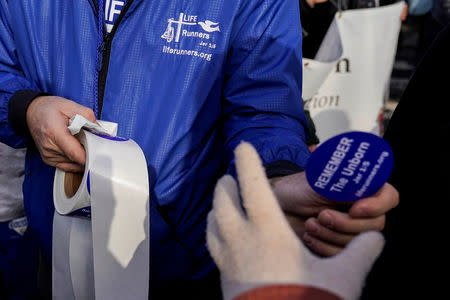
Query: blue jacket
<point x="186" y="79"/>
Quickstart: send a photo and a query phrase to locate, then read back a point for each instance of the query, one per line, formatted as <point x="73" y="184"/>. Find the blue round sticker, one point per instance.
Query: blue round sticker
<point x="112" y="138"/>
<point x="350" y="166"/>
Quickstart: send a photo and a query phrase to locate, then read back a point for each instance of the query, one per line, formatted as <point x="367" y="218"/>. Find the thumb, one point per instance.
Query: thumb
<point x="258" y="198"/>
<point x="71" y="108"/>
<point x="353" y="264"/>
<point x="71" y="147"/>
<point x="87" y="113"/>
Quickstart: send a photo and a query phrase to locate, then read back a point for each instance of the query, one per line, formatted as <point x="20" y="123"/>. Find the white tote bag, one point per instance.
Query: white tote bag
<point x="345" y="84"/>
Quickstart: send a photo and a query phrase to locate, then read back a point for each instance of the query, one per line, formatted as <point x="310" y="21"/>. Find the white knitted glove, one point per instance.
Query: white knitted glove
<point x="258" y="247"/>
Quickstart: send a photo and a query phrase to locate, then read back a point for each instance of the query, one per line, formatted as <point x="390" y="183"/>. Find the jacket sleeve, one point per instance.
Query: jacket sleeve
<point x="262" y="93"/>
<point x="13" y="85"/>
<point x="287" y="292"/>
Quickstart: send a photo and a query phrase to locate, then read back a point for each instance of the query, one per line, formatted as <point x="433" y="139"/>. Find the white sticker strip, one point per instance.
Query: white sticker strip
<point x="101" y="127"/>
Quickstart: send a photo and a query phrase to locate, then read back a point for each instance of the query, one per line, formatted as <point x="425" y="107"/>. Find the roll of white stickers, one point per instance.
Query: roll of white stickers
<point x="112" y="249"/>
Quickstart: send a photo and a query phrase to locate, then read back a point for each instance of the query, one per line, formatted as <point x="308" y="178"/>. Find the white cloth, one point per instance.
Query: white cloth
<point x="352" y="95"/>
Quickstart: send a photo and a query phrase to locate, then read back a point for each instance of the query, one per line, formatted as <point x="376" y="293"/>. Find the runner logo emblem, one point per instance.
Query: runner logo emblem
<point x="208" y="26"/>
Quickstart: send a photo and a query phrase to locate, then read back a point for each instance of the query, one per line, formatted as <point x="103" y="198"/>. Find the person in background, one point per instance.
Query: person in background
<point x="260" y="257"/>
<point x="313" y="140"/>
<point x="434" y="19"/>
<point x="317" y="15"/>
<point x="441" y="12"/>
<point x="420" y="180"/>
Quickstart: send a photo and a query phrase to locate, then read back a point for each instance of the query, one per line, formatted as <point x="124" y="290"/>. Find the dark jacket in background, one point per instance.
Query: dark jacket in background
<point x="441" y="11"/>
<point x="420" y="175"/>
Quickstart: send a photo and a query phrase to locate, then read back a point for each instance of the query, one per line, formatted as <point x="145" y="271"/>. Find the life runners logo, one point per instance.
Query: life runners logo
<point x="184" y="27"/>
<point x="207" y="25"/>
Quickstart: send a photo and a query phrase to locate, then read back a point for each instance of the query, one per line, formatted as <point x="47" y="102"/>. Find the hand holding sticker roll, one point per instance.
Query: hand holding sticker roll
<point x="47" y="119"/>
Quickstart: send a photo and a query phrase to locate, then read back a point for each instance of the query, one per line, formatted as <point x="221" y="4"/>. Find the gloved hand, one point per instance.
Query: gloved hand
<point x="256" y="246"/>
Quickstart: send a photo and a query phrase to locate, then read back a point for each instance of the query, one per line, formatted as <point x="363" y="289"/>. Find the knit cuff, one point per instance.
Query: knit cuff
<point x="281" y="168"/>
<point x="17" y="110"/>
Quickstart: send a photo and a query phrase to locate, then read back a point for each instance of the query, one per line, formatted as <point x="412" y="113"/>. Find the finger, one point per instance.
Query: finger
<point x="353" y="264"/>
<point x="320" y="247"/>
<point x="70" y="167"/>
<point x="71" y="147"/>
<point x="258" y="199"/>
<point x="54" y="159"/>
<point x="315" y="229"/>
<point x="380" y="203"/>
<point x="213" y="240"/>
<point x="227" y="208"/>
<point x="342" y="222"/>
<point x="52" y="152"/>
<point x="88" y="114"/>
<point x="404" y="14"/>
<point x="59" y="160"/>
<point x="293" y="189"/>
<point x="361" y="253"/>
<point x="53" y="156"/>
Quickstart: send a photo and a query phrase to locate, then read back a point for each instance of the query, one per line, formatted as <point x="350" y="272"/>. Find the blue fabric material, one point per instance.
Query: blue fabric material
<point x="9" y="244"/>
<point x="18" y="264"/>
<point x="187" y="93"/>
